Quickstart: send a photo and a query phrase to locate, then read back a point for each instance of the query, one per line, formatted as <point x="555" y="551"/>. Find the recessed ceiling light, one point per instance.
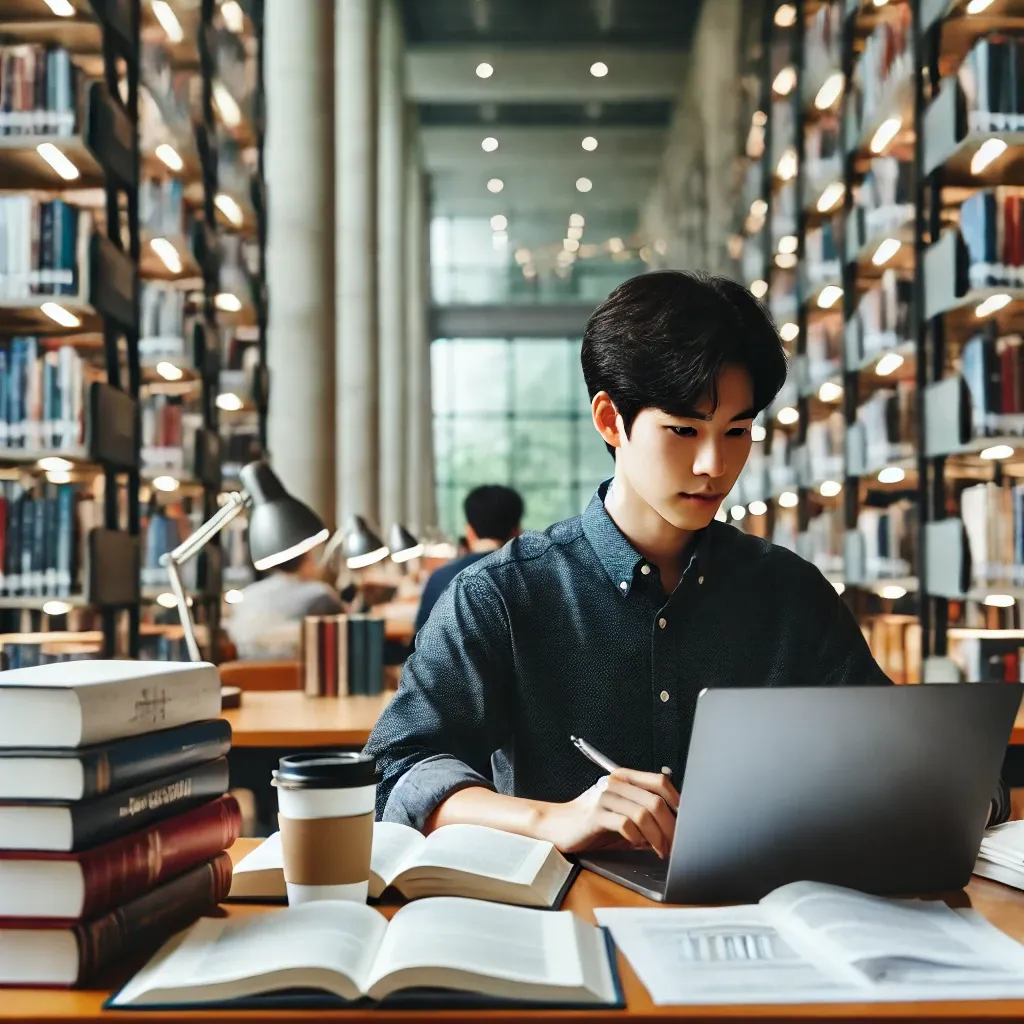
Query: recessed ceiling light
<point x="576" y="220"/>
<point x="570" y="244"/>
<point x="830" y="91"/>
<point x="993" y="304"/>
<point x="887" y="248"/>
<point x="759" y="289"/>
<point x="58" y="161"/>
<point x="168" y="20"/>
<point x="885" y="133"/>
<point x="785" y="81"/>
<point x="576" y="233"/>
<point x="168" y="155"/>
<point x="495" y="185"/>
<point x="892" y="475"/>
<point x="54" y="464"/>
<point x="589" y="143"/>
<point x="758" y="433"/>
<point x="56" y="608"/>
<point x="834" y="191"/>
<point x="228" y="302"/>
<point x="889" y="363"/>
<point x="59" y="476"/>
<point x="169" y="371"/>
<point x="786" y="168"/>
<point x="829" y="296"/>
<point x="230" y="208"/>
<point x="997" y="451"/>
<point x="164" y="248"/>
<point x="226" y="104"/>
<point x="988" y="151"/>
<point x="788" y="243"/>
<point x="489" y="145"/>
<point x="234" y="597"/>
<point x="787" y="415"/>
<point x="977" y="6"/>
<point x="60" y="315"/>
<point x="737" y="512"/>
<point x="830" y="488"/>
<point x="893" y="592"/>
<point x="785" y="16"/>
<point x="233" y="16"/>
<point x="787" y="499"/>
<point x="165" y="483"/>
<point x="1000" y="600"/>
<point x="229" y="402"/>
<point x="167" y="600"/>
<point x="830" y="391"/>
<point x="484" y="70"/>
<point x="499" y="222"/>
<point x="584" y="184"/>
<point x="62" y="8"/>
<point x="757" y="508"/>
<point x="616" y="245"/>
<point x="789" y="331"/>
<point x="599" y="69"/>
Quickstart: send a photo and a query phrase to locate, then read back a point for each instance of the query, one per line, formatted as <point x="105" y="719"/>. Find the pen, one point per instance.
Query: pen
<point x="601" y="760"/>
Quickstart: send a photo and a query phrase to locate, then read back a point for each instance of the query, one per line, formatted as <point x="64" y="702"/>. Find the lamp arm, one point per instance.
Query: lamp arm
<point x="188" y="548"/>
<point x="330" y="547"/>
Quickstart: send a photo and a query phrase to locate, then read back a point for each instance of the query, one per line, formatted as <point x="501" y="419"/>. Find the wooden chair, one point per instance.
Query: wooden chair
<point x="262" y="675"/>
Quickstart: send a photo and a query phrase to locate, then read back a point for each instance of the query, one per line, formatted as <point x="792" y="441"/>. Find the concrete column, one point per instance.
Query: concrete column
<point x="299" y="166"/>
<point x="391" y="267"/>
<point x="356" y="367"/>
<point x="421" y="501"/>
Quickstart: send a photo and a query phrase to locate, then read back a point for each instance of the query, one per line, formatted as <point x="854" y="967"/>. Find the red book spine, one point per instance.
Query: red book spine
<point x="331" y="657"/>
<point x="118" y="871"/>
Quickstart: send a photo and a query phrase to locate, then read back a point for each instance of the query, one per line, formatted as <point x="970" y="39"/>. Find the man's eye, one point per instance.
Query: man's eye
<point x="683" y="431"/>
<point x="739" y="431"/>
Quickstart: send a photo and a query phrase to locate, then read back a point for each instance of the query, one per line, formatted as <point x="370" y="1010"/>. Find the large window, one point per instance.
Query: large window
<point x="514" y="411"/>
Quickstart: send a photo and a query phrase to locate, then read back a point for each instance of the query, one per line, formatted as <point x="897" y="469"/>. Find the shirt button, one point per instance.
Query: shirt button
<point x="623" y="585"/>
<point x="700" y="579"/>
<point x="645" y="569"/>
<point x="664" y="696"/>
<point x="662" y="623"/>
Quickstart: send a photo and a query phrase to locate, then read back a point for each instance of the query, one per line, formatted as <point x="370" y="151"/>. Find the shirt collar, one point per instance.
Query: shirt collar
<point x="617" y="556"/>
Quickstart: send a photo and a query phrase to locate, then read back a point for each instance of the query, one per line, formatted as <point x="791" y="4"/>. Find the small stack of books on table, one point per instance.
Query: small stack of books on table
<point x="113" y="813"/>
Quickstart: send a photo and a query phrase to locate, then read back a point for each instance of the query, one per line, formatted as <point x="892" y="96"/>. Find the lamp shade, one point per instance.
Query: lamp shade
<point x="280" y="527"/>
<point x="360" y="545"/>
<point x="404" y="546"/>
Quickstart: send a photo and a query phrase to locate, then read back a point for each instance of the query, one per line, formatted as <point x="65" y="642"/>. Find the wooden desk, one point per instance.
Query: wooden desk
<point x="1003" y="906"/>
<point x="288" y="718"/>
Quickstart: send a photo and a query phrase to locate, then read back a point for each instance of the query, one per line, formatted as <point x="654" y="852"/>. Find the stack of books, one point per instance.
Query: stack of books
<point x="41" y="246"/>
<point x="1001" y="856"/>
<point x="113" y="818"/>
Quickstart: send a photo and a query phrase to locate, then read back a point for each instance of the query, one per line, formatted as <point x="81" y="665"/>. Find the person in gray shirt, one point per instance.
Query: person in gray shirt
<point x="267" y="624"/>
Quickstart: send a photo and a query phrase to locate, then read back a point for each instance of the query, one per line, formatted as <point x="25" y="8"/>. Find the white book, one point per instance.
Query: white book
<point x="74" y="703"/>
<point x="808" y="942"/>
<point x="350" y="951"/>
<point x="456" y="860"/>
<point x="1001" y="857"/>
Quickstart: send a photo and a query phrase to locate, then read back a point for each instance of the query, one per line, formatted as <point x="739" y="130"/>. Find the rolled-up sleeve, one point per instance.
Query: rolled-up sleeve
<point x="454" y="706"/>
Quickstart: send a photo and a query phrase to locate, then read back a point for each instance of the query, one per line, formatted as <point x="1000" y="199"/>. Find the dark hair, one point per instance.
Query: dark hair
<point x="660" y="340"/>
<point x="494" y="511"/>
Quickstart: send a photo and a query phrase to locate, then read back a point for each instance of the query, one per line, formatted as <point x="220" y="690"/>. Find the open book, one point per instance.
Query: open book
<point x="349" y="951"/>
<point x="457" y="860"/>
<point x="808" y="943"/>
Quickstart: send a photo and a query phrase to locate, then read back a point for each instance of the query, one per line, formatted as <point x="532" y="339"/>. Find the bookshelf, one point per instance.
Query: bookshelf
<point x="114" y="333"/>
<point x="886" y="239"/>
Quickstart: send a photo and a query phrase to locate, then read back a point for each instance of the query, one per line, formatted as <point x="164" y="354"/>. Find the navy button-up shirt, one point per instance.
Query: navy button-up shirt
<point x="569" y="632"/>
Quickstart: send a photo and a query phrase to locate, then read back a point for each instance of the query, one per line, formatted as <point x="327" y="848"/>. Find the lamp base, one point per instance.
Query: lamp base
<point x="230" y="697"/>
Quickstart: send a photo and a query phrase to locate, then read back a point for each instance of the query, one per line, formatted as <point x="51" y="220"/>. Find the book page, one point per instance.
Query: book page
<point x="719" y="955"/>
<point x="488" y="939"/>
<point x="266" y="856"/>
<point x="482" y="851"/>
<point x="870" y="931"/>
<point x="330" y="936"/>
<point x="394" y="846"/>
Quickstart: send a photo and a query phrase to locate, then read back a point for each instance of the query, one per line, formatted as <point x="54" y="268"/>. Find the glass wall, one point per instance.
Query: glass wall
<point x="514" y="411"/>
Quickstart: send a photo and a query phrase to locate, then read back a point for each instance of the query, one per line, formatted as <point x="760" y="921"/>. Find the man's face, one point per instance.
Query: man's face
<point x="684" y="466"/>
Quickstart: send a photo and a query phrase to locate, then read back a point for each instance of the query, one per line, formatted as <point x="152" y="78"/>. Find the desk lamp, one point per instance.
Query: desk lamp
<point x="403" y="545"/>
<point x="280" y="528"/>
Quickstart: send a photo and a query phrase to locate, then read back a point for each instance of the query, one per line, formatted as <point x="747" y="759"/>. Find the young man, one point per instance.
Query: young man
<point x="607" y="626"/>
<point x="493" y="515"/>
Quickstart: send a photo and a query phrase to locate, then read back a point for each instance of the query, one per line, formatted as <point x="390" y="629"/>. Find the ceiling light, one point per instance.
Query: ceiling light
<point x="489" y="145"/>
<point x="885" y="251"/>
<point x="167" y="600"/>
<point x="230" y="208"/>
<point x="589" y="143"/>
<point x="839" y="586"/>
<point x="993" y="304"/>
<point x="829" y="296"/>
<point x="759" y="118"/>
<point x="484" y="70"/>
<point x="989" y="150"/>
<point x="788" y="243"/>
<point x="891" y="475"/>
<point x="60" y="315"/>
<point x="977" y="6"/>
<point x="834" y="191"/>
<point x="225" y="103"/>
<point x="56" y="608"/>
<point x="584" y="184"/>
<point x="168" y="155"/>
<point x="574" y="233"/>
<point x="58" y="161"/>
<point x="229" y="402"/>
<point x="786" y="168"/>
<point x="616" y="245"/>
<point x="885" y="133"/>
<point x="785" y="16"/>
<point x="234" y="597"/>
<point x="227" y="302"/>
<point x="169" y="371"/>
<point x="570" y="244"/>
<point x="1000" y="600"/>
<point x="169" y="257"/>
<point x="165" y="483"/>
<point x="758" y="208"/>
<point x="59" y="476"/>
<point x="757" y="432"/>
<point x="529" y="272"/>
<point x="757" y="508"/>
<point x="997" y="451"/>
<point x="54" y="464"/>
<point x="599" y="69"/>
<point x="62" y="8"/>
<point x="830" y="91"/>
<point x="830" y="391"/>
<point x="737" y="512"/>
<point x="499" y="222"/>
<point x="789" y="331"/>
<point x="830" y="488"/>
<point x="522" y="256"/>
<point x="495" y="185"/>
<point x="787" y="415"/>
<point x="785" y="260"/>
<point x="576" y="220"/>
<point x="168" y="20"/>
<point x="889" y="363"/>
<point x="759" y="289"/>
<point x="787" y="499"/>
<point x="233" y="16"/>
<point x="892" y="592"/>
<point x="785" y="81"/>
<point x="499" y="240"/>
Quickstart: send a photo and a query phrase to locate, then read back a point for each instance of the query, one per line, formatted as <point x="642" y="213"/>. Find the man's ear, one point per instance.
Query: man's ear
<point x="607" y="419"/>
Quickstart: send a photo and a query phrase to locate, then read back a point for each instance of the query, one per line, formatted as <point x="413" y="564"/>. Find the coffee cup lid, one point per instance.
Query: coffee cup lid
<point x="326" y="769"/>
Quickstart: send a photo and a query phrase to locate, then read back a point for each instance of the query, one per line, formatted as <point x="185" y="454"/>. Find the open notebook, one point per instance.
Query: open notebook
<point x="320" y="953"/>
<point x="457" y="860"/>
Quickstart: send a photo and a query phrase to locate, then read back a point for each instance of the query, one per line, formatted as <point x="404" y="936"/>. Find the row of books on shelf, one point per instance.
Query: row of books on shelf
<point x="113" y="814"/>
<point x="38" y="90"/>
<point x="993" y="369"/>
<point x="993" y="518"/>
<point x="40" y="246"/>
<point x="342" y="655"/>
<point x="26" y="649"/>
<point x="884" y="65"/>
<point x="992" y="227"/>
<point x="992" y="79"/>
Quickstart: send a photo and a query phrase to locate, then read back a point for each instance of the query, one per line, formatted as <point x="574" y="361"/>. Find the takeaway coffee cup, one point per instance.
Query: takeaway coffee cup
<point x="325" y="803"/>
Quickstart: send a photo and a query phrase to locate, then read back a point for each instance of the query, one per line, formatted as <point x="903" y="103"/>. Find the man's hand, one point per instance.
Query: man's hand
<point x="635" y="807"/>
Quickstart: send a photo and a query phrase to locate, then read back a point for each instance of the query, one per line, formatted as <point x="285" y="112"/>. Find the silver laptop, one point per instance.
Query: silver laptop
<point x="885" y="789"/>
